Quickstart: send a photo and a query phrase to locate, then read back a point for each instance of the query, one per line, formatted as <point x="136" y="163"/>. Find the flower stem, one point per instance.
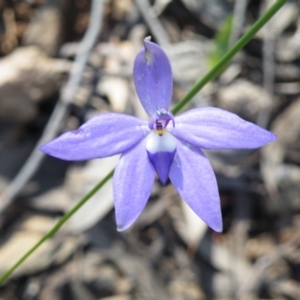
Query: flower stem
<point x="195" y="89"/>
<point x="220" y="66"/>
<point x="57" y="226"/>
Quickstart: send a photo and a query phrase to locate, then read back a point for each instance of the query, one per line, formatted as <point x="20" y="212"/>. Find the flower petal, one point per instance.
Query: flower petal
<point x="153" y="78"/>
<point x="104" y="135"/>
<point x="214" y="128"/>
<point x="194" y="179"/>
<point x="132" y="185"/>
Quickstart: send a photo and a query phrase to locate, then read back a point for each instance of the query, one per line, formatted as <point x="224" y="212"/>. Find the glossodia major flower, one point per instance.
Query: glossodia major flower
<point x="167" y="146"/>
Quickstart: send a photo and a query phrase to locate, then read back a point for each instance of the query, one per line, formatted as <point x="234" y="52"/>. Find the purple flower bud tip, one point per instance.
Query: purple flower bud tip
<point x="166" y="146"/>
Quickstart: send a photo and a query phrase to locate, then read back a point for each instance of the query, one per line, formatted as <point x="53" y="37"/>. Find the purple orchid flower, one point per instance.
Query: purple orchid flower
<point x="168" y="146"/>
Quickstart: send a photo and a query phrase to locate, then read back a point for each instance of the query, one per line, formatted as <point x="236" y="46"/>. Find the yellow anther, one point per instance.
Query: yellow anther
<point x="160" y="132"/>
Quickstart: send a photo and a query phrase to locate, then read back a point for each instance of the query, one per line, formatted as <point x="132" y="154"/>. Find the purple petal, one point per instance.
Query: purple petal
<point x="162" y="162"/>
<point x="104" y="135"/>
<point x="153" y="78"/>
<point x="132" y="185"/>
<point x="194" y="179"/>
<point x="214" y="128"/>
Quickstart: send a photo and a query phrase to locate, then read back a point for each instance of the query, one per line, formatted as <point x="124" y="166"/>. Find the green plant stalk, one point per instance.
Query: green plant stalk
<point x="229" y="55"/>
<point x="195" y="89"/>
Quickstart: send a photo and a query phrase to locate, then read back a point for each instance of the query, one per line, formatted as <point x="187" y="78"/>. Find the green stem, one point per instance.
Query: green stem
<point x="195" y="89"/>
<point x="57" y="226"/>
<point x="229" y="55"/>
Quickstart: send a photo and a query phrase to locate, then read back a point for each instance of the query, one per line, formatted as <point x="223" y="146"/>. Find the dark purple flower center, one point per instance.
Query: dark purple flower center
<point x="160" y="120"/>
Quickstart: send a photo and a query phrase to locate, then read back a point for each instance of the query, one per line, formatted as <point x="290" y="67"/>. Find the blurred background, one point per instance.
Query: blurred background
<point x="169" y="253"/>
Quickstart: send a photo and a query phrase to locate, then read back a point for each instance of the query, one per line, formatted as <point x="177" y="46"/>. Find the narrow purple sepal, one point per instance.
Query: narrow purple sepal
<point x="104" y="135"/>
<point x="214" y="128"/>
<point x="153" y="78"/>
<point x="194" y="179"/>
<point x="132" y="184"/>
<point x="162" y="162"/>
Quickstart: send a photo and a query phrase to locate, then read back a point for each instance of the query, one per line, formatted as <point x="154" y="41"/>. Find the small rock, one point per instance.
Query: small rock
<point x="28" y="76"/>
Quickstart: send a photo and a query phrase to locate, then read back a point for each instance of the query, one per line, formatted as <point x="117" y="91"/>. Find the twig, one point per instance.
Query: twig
<point x="10" y="37"/>
<point x="61" y="108"/>
<point x="238" y="20"/>
<point x="268" y="70"/>
<point x="154" y="24"/>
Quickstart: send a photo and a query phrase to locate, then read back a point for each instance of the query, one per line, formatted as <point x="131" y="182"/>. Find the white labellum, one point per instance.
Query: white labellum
<point x="164" y="143"/>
